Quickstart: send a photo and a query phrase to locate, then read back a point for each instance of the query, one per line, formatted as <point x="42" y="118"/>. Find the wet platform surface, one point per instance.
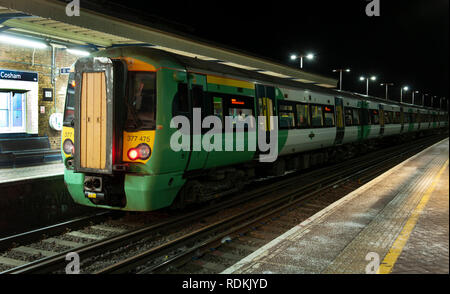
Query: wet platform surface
<point x="12" y="175"/>
<point x="397" y="223"/>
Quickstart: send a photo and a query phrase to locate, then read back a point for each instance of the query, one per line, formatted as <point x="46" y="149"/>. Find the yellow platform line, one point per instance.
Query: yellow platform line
<point x="390" y="259"/>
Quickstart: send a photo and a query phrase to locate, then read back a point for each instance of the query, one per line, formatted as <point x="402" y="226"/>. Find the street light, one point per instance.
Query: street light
<point x="387" y="86"/>
<point x="406" y="88"/>
<point x="340" y="75"/>
<point x="372" y="78"/>
<point x="309" y="56"/>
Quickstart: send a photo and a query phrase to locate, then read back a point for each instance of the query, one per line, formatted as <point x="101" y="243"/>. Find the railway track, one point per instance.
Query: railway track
<point x="171" y="249"/>
<point x="205" y="242"/>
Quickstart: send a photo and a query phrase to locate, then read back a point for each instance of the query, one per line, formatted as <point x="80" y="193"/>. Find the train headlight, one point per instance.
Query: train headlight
<point x="68" y="147"/>
<point x="142" y="152"/>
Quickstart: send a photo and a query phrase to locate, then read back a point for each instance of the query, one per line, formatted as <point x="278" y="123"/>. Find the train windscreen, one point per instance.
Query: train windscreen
<point x="69" y="109"/>
<point x="142" y="100"/>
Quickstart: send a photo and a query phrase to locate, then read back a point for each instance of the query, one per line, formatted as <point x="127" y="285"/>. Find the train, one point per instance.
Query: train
<point x="118" y="126"/>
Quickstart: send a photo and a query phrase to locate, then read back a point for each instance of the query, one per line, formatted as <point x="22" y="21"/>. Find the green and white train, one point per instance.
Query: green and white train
<point x="120" y="103"/>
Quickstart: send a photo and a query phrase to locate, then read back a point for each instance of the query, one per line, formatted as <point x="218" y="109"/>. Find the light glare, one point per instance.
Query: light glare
<point x="22" y="42"/>
<point x="78" y="52"/>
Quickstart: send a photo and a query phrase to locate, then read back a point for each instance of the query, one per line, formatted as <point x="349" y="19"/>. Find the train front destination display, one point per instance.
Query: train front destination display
<point x="221" y="148"/>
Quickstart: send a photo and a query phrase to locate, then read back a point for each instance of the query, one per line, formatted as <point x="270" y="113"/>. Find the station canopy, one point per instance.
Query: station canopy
<point x="47" y="19"/>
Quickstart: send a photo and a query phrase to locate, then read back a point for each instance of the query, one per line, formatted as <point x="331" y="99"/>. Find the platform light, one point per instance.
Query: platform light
<point x="22" y="42"/>
<point x="78" y="52"/>
<point x="363" y="78"/>
<point x="308" y="56"/>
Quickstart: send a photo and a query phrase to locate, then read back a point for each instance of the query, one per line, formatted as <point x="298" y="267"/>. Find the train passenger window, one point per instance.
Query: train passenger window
<point x="218" y="107"/>
<point x="303" y="120"/>
<point x="397" y="118"/>
<point x="375" y="117"/>
<point x="348" y="116"/>
<point x="316" y="116"/>
<point x="239" y="108"/>
<point x="407" y="118"/>
<point x="180" y="101"/>
<point x="329" y="116"/>
<point x="286" y="115"/>
<point x="387" y="118"/>
<point x="356" y="117"/>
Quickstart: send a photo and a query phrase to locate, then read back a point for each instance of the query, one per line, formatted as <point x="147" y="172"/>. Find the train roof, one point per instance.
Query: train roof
<point x="214" y="67"/>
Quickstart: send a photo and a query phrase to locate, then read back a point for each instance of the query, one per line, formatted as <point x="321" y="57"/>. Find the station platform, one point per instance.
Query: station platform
<point x="397" y="223"/>
<point x="13" y="175"/>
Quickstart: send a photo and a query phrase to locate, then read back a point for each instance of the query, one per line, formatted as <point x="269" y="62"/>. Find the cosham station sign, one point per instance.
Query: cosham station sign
<point x="18" y="75"/>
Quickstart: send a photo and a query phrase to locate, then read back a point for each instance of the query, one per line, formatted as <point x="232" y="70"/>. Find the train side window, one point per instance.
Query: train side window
<point x="375" y="116"/>
<point x="316" y="116"/>
<point x="356" y="116"/>
<point x="286" y="115"/>
<point x="303" y="120"/>
<point x="397" y="118"/>
<point x="387" y="119"/>
<point x="180" y="102"/>
<point x="329" y="116"/>
<point x="218" y="107"/>
<point x="348" y="116"/>
<point x="239" y="108"/>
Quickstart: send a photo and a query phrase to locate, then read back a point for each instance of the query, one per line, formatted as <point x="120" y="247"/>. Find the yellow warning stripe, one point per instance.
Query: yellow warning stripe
<point x="390" y="259"/>
<point x="229" y="82"/>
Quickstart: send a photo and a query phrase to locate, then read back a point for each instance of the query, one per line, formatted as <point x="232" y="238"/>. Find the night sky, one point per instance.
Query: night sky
<point x="407" y="45"/>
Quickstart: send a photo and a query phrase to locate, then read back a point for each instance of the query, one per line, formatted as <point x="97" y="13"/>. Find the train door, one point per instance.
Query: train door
<point x="402" y="119"/>
<point x="265" y="99"/>
<point x="199" y="109"/>
<point x="94" y="115"/>
<point x="266" y="107"/>
<point x="381" y="120"/>
<point x="340" y="127"/>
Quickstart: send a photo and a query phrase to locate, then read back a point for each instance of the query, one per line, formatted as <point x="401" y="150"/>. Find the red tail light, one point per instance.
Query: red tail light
<point x="142" y="152"/>
<point x="133" y="154"/>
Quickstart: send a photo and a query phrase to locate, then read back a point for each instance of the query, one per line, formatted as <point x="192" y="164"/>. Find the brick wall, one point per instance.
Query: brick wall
<point x="21" y="59"/>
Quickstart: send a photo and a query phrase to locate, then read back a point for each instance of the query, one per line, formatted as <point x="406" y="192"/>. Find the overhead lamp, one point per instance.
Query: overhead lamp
<point x="78" y="52"/>
<point x="21" y="42"/>
<point x="310" y="56"/>
<point x="373" y="78"/>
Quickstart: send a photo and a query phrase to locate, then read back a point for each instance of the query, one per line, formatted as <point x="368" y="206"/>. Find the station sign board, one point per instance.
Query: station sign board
<point x="18" y="75"/>
<point x="64" y="70"/>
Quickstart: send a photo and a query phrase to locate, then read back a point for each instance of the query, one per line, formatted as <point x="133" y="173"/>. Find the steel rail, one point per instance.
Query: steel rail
<point x="267" y="208"/>
<point x="55" y="262"/>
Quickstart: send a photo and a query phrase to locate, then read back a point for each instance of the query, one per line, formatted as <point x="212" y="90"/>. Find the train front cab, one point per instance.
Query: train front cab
<point x="109" y="140"/>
